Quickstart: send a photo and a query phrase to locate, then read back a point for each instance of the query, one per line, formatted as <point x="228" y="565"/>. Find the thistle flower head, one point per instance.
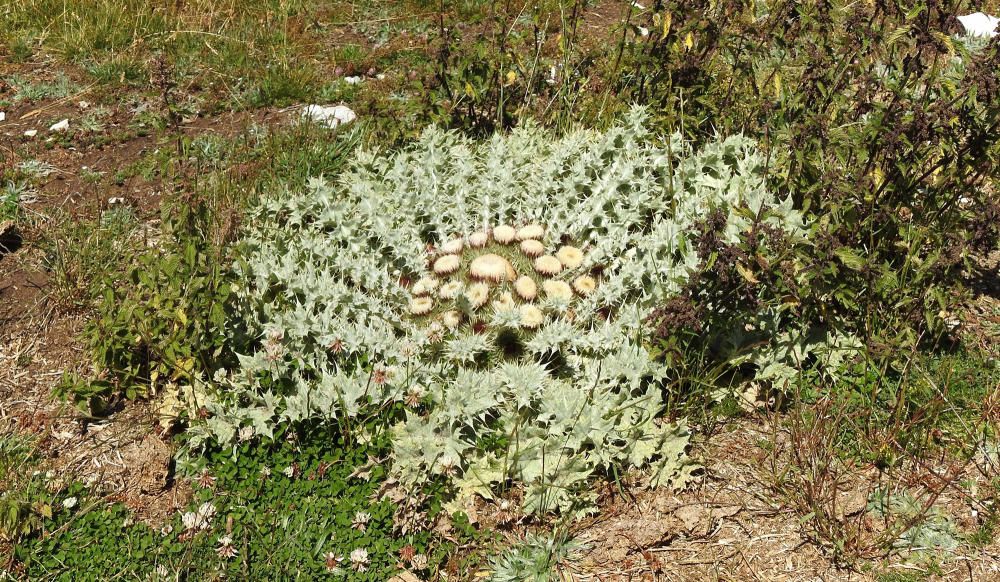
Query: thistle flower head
<point x="535" y="231"/>
<point x="557" y="290"/>
<point x="584" y="285"/>
<point x="491" y="267"/>
<point x="421" y="305"/>
<point x="453" y="247"/>
<point x="477" y="294"/>
<point x="450" y="290"/>
<point x="548" y="265"/>
<point x="526" y="288"/>
<point x="478" y="239"/>
<point x="447" y="264"/>
<point x="571" y="257"/>
<point x="504" y="234"/>
<point x="532" y="247"/>
<point x="424" y="286"/>
<point x="451" y="319"/>
<point x="531" y="316"/>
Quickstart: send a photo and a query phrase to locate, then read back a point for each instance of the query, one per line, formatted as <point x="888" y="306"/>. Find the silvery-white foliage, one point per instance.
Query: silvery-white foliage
<point x="325" y="284"/>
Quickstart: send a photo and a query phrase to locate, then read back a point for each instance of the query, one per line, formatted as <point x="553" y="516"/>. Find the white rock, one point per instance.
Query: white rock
<point x="84" y="104"/>
<point x="352" y="80"/>
<point x="60" y="125"/>
<point x="331" y="116"/>
<point x="3" y="116"/>
<point x="979" y="24"/>
<point x="31" y="133"/>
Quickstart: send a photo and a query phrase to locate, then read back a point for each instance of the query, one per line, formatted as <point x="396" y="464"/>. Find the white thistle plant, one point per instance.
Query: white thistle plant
<point x="498" y="292"/>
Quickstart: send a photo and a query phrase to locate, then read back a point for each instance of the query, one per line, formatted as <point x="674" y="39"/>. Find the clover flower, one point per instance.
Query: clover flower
<point x="419" y="562"/>
<point x="332" y="561"/>
<point x="359" y="559"/>
<point x="360" y="521"/>
<point x="225" y="549"/>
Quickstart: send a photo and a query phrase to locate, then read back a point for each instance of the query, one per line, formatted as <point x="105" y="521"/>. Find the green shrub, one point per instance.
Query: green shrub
<point x="880" y="125"/>
<point x="167" y="324"/>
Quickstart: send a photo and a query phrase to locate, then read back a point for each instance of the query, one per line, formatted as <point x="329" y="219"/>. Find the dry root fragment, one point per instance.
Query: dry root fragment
<point x="557" y="290"/>
<point x="532" y="247"/>
<point x="504" y="234"/>
<point x="447" y="264"/>
<point x="548" y="265"/>
<point x="526" y="288"/>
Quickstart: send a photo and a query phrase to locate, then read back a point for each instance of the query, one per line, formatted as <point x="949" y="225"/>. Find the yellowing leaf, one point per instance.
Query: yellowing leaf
<point x="689" y="41"/>
<point x="746" y="274"/>
<point x="667" y="19"/>
<point x="777" y="85"/>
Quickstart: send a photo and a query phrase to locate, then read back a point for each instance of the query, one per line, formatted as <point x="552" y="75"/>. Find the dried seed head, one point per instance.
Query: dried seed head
<point x="548" y="265"/>
<point x="532" y="247"/>
<point x="570" y="257"/>
<point x="447" y="264"/>
<point x="504" y="234"/>
<point x="526" y="288"/>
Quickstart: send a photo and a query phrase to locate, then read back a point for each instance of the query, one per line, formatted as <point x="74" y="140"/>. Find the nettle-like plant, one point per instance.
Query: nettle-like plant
<point x="492" y="299"/>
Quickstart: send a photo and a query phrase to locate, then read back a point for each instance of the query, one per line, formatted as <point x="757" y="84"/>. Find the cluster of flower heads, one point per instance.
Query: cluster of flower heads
<point x="499" y="291"/>
<point x="503" y="272"/>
